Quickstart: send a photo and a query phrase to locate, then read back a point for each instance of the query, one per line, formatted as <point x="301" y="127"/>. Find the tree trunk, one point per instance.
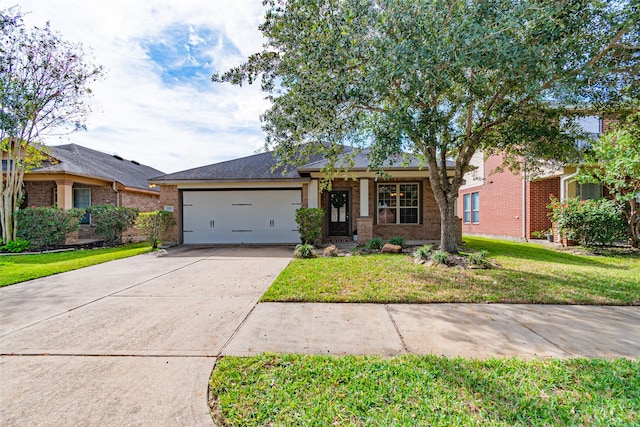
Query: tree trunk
<point x="448" y="240"/>
<point x="634" y="224"/>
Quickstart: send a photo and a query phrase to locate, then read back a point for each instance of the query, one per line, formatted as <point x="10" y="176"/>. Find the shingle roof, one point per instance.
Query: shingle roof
<point x="79" y="160"/>
<point x="255" y="168"/>
<point x="361" y="162"/>
<point x="258" y="167"/>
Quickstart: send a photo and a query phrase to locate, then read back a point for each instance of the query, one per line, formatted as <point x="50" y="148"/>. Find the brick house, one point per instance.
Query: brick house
<point x="79" y="177"/>
<point x="246" y="201"/>
<point x="509" y="205"/>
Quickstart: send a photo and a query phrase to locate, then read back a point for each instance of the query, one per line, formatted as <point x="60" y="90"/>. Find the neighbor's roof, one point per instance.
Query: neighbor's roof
<point x="79" y="160"/>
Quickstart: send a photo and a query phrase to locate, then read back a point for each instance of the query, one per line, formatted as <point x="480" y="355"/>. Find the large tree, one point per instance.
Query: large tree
<point x="440" y="79"/>
<point x="43" y="88"/>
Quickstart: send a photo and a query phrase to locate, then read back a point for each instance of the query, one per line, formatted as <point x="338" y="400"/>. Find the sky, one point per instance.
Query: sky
<point x="157" y="104"/>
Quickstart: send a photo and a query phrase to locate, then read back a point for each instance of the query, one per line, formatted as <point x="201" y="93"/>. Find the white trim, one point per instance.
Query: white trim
<point x="364" y="197"/>
<point x="313" y="193"/>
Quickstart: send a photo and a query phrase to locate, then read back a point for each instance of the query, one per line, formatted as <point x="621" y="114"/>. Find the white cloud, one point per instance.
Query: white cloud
<point x="142" y="111"/>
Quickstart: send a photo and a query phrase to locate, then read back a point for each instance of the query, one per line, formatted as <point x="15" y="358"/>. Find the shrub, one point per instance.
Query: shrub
<point x="440" y="257"/>
<point x="396" y="240"/>
<point x="155" y="225"/>
<point x="310" y="222"/>
<point x="374" y="243"/>
<point x="45" y="227"/>
<point x="423" y="252"/>
<point x="16" y="246"/>
<point x="479" y="258"/>
<point x="590" y="222"/>
<point x="305" y="250"/>
<point x="111" y="221"/>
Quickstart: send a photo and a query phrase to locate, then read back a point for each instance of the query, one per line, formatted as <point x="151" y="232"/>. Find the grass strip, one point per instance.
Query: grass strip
<point x="529" y="274"/>
<point x="19" y="268"/>
<point x="285" y="390"/>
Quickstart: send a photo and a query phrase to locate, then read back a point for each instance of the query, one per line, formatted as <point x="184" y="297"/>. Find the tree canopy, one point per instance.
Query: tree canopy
<point x="440" y="79"/>
<point x="43" y="88"/>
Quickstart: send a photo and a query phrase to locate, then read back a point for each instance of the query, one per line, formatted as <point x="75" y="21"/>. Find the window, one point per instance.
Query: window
<point x="471" y="207"/>
<point x="398" y="203"/>
<point x="590" y="191"/>
<point x="82" y="200"/>
<point x="475" y="207"/>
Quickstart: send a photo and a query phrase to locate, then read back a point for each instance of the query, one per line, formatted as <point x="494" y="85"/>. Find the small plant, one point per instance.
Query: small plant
<point x="538" y="234"/>
<point x="396" y="240"/>
<point x="155" y="225"/>
<point x="374" y="243"/>
<point x="16" y="246"/>
<point x="304" y="250"/>
<point x="440" y="257"/>
<point x="309" y="222"/>
<point x="479" y="258"/>
<point x="423" y="252"/>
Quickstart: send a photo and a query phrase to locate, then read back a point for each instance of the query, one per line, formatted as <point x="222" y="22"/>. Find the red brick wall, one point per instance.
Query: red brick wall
<point x="169" y="196"/>
<point x="500" y="202"/>
<point x="538" y="194"/>
<point x="39" y="193"/>
<point x="143" y="201"/>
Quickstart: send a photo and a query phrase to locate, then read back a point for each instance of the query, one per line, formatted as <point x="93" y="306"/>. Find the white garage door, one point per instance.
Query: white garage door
<point x="251" y="216"/>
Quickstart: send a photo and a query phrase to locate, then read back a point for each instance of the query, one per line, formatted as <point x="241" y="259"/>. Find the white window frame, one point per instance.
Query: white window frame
<point x="398" y="207"/>
<point x="475" y="207"/>
<point x="466" y="208"/>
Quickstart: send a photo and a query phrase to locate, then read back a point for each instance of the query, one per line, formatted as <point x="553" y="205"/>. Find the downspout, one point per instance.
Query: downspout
<point x="524" y="205"/>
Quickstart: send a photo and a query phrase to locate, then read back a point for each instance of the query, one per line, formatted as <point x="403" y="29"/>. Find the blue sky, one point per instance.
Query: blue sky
<point x="157" y="104"/>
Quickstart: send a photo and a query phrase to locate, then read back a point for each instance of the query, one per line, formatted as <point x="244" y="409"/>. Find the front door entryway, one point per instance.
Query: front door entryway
<point x="339" y="212"/>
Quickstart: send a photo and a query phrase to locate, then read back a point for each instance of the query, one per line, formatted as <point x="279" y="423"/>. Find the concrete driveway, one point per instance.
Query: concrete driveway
<point x="129" y="342"/>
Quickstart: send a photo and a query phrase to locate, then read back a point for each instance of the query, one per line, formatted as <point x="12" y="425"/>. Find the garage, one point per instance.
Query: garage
<point x="240" y="216"/>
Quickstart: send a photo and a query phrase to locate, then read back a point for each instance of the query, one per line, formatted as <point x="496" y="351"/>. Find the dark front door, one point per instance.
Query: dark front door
<point x="339" y="213"/>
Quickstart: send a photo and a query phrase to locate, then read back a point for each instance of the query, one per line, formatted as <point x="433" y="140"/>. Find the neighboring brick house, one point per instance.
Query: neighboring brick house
<point x="79" y="177"/>
<point x="246" y="201"/>
<point x="504" y="204"/>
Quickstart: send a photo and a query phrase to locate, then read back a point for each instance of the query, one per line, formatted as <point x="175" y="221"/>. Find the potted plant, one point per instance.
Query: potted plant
<point x="549" y="234"/>
<point x="355" y="235"/>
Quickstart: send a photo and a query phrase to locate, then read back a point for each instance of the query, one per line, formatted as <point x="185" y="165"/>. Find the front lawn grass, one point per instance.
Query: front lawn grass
<point x="284" y="390"/>
<point x="19" y="268"/>
<point x="529" y="273"/>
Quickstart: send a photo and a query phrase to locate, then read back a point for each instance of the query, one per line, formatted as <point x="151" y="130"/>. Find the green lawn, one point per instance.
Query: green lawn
<point x="529" y="273"/>
<point x="18" y="268"/>
<point x="285" y="390"/>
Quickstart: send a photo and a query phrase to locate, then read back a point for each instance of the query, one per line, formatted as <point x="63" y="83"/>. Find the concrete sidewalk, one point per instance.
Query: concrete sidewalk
<point x="467" y="330"/>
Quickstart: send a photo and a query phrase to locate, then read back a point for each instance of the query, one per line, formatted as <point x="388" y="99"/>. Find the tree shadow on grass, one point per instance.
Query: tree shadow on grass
<point x="533" y="252"/>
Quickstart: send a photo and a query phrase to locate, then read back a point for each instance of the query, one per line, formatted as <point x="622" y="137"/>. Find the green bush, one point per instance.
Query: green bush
<point x="396" y="240"/>
<point x="310" y="222"/>
<point x="45" y="227"/>
<point x="374" y="243"/>
<point x="423" y="252"/>
<point x="305" y="250"/>
<point x="111" y="221"/>
<point x="16" y="246"/>
<point x="590" y="222"/>
<point x="155" y="225"/>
